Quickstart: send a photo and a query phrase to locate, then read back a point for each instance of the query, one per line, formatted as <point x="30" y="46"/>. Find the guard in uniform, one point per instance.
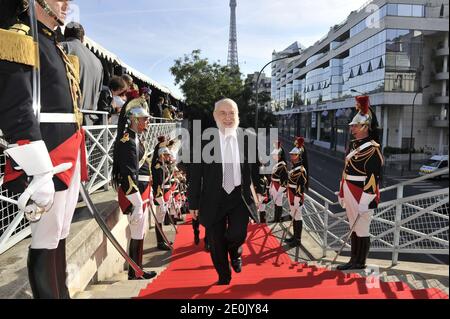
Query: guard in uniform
<point x="46" y="161"/>
<point x="359" y="192"/>
<point x="160" y="173"/>
<point x="131" y="176"/>
<point x="279" y="179"/>
<point x="264" y="199"/>
<point x="297" y="184"/>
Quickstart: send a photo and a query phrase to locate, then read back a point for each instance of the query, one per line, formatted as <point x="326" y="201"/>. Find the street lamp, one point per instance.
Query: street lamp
<point x="354" y="91"/>
<point x="420" y="90"/>
<point x="291" y="55"/>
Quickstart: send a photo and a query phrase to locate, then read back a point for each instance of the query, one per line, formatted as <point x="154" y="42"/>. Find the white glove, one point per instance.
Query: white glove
<point x="34" y="160"/>
<point x="138" y="212"/>
<point x="341" y="201"/>
<point x="43" y="196"/>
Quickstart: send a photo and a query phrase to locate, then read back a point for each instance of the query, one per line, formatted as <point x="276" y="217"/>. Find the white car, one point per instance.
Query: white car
<point x="435" y="163"/>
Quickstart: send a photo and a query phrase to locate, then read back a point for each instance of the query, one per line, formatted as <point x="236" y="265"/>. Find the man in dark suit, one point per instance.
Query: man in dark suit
<point x="220" y="190"/>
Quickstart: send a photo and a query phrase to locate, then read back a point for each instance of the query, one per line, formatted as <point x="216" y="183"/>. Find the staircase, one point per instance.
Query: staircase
<point x="268" y="273"/>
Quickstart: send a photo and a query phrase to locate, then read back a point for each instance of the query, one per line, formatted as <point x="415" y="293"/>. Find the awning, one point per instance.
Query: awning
<point x="111" y="57"/>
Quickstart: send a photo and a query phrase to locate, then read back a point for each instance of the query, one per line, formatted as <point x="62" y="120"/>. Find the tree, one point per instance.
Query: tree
<point x="204" y="83"/>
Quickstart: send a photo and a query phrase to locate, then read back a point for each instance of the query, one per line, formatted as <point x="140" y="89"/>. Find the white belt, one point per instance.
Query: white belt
<point x="57" y="118"/>
<point x="355" y="178"/>
<point x="292" y="186"/>
<point x="144" y="178"/>
<point x="167" y="187"/>
<point x="275" y="180"/>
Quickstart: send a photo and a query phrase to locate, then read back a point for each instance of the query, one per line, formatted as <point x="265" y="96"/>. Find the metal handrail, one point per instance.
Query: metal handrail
<point x="415" y="180"/>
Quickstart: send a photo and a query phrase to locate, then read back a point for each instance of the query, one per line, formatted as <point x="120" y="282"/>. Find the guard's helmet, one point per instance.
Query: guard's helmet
<point x="364" y="115"/>
<point x="298" y="149"/>
<point x="137" y="108"/>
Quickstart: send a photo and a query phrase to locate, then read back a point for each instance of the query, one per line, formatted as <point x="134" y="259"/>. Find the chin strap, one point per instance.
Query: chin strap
<point x="50" y="11"/>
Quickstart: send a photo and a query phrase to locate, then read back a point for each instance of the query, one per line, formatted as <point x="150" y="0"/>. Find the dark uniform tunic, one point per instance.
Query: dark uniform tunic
<point x="160" y="179"/>
<point x="279" y="178"/>
<point x="359" y="192"/>
<point x="366" y="165"/>
<point x="59" y="94"/>
<point x="134" y="166"/>
<point x="296" y="183"/>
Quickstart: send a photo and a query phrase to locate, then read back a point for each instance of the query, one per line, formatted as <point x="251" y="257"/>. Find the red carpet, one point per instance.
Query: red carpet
<point x="191" y="275"/>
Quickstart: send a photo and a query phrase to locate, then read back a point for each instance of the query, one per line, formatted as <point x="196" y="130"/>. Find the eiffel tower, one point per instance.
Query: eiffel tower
<point x="232" y="45"/>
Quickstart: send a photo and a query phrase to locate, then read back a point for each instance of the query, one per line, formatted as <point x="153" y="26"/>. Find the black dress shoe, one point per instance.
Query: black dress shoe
<point x="290" y="240"/>
<point x="146" y="275"/>
<point x="222" y="282"/>
<point x="346" y="266"/>
<point x="294" y="243"/>
<point x="163" y="246"/>
<point x="236" y="264"/>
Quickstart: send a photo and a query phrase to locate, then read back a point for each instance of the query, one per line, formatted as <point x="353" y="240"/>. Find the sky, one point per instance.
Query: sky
<point x="149" y="35"/>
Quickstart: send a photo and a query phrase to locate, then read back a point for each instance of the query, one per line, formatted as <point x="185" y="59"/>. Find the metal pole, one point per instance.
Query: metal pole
<point x="325" y="231"/>
<point x="257" y="83"/>
<point x="412" y="130"/>
<point x="105" y="146"/>
<point x="398" y="218"/>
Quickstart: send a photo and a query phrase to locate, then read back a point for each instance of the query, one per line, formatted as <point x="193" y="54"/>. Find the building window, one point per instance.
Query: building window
<point x="360" y="72"/>
<point x="351" y="76"/>
<point x="381" y="64"/>
<point x="369" y="68"/>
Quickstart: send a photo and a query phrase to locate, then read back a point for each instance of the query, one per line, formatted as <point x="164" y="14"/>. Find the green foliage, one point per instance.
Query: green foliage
<point x="204" y="83"/>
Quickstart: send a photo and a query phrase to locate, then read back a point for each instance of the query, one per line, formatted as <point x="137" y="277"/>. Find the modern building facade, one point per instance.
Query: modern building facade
<point x="389" y="49"/>
<point x="264" y="86"/>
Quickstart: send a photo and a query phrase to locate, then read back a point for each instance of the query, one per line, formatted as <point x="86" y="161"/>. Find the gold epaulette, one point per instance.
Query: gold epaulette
<point x="76" y="65"/>
<point x="157" y="166"/>
<point x="125" y="138"/>
<point x="375" y="143"/>
<point x="16" y="46"/>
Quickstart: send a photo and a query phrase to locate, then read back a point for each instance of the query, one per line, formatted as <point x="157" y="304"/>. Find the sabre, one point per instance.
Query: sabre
<point x="346" y="240"/>
<point x="93" y="210"/>
<point x="159" y="227"/>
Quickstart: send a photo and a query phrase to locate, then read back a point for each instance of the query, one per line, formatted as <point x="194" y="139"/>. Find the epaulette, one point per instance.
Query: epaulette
<point x="375" y="143"/>
<point x="125" y="138"/>
<point x="16" y="46"/>
<point x="76" y="65"/>
<point x="157" y="166"/>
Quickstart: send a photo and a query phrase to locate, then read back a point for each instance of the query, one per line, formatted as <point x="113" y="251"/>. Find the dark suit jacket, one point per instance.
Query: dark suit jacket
<point x="205" y="182"/>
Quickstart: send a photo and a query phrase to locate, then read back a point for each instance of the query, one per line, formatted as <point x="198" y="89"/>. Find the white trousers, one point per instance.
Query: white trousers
<point x="351" y="205"/>
<point x="139" y="230"/>
<point x="296" y="213"/>
<point x="273" y="193"/>
<point x="160" y="214"/>
<point x="54" y="224"/>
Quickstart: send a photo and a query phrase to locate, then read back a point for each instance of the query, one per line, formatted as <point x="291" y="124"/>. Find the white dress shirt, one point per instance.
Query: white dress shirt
<point x="236" y="156"/>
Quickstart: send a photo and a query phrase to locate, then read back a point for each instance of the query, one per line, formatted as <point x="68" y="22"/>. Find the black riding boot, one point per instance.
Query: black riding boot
<point x="262" y="217"/>
<point x="42" y="273"/>
<point x="277" y="214"/>
<point x="362" y="253"/>
<point x="297" y="238"/>
<point x="136" y="251"/>
<point x="61" y="269"/>
<point x="354" y="247"/>
<point x="161" y="244"/>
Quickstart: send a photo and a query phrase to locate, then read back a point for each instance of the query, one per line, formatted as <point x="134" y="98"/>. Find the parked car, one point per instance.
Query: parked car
<point x="435" y="163"/>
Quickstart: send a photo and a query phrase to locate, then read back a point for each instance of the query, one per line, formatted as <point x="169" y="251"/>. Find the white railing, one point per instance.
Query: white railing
<point x="417" y="224"/>
<point x="99" y="144"/>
